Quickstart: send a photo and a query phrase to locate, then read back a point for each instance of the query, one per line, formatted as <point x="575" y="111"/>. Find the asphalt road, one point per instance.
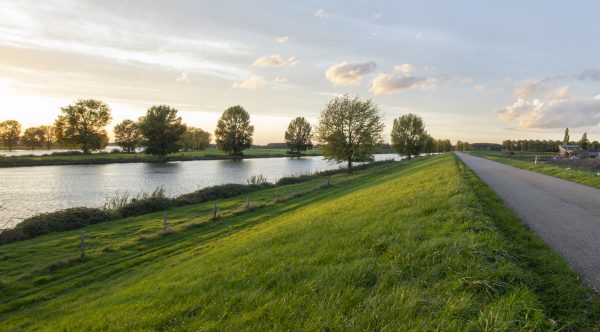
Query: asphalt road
<point x="563" y="213"/>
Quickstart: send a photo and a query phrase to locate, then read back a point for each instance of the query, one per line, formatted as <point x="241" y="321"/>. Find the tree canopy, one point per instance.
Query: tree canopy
<point x="127" y="135"/>
<point x="10" y="132"/>
<point x="161" y="129"/>
<point x="298" y="135"/>
<point x="349" y="130"/>
<point x="408" y="135"/>
<point x="566" y="138"/>
<point x="82" y="125"/>
<point x="234" y="131"/>
<point x="33" y="137"/>
<point x="195" y="139"/>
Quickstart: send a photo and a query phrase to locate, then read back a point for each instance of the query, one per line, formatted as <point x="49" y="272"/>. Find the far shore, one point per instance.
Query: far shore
<point x="75" y="158"/>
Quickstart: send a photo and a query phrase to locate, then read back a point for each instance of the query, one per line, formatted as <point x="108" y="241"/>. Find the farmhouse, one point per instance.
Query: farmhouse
<point x="575" y="151"/>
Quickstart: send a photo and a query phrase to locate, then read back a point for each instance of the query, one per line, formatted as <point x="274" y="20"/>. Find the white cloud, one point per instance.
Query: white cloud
<point x="404" y="68"/>
<point x="419" y="36"/>
<point x="554" y="112"/>
<point x="387" y="83"/>
<point x="321" y="13"/>
<point x="349" y="73"/>
<point x="275" y="60"/>
<point x="529" y="88"/>
<point x="183" y="77"/>
<point x="377" y="15"/>
<point x="283" y="39"/>
<point x="280" y="80"/>
<point x="252" y="83"/>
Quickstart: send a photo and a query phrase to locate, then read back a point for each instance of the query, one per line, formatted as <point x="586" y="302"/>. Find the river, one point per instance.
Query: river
<point x="26" y="191"/>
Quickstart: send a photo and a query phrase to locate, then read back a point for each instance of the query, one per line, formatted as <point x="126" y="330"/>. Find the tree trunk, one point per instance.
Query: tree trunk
<point x="349" y="165"/>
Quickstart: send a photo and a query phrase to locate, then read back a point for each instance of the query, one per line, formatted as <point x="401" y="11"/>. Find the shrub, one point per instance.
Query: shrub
<point x="56" y="221"/>
<point x="220" y="192"/>
<point x="66" y="153"/>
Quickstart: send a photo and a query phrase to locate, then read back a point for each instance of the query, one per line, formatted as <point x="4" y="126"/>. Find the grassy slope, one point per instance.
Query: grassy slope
<point x="405" y="246"/>
<point x="102" y="158"/>
<point x="525" y="161"/>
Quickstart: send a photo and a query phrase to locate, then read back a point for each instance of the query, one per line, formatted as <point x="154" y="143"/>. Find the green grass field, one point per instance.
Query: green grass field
<point x="419" y="245"/>
<point x="104" y="158"/>
<point x="524" y="160"/>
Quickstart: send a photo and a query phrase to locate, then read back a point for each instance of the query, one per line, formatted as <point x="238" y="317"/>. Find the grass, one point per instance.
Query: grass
<point x="105" y="157"/>
<point x="524" y="160"/>
<point x="401" y="246"/>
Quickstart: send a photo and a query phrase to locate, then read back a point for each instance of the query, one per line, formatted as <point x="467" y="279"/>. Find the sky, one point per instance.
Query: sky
<point x="479" y="71"/>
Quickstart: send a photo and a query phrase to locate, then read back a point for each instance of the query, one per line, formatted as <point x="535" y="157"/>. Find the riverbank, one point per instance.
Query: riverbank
<point x="120" y="157"/>
<point x="413" y="245"/>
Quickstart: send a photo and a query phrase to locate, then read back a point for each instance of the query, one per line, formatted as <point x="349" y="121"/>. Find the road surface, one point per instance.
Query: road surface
<point x="563" y="213"/>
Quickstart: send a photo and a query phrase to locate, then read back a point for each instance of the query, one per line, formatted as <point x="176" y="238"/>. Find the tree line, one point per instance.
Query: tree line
<point x="349" y="130"/>
<point x="549" y="145"/>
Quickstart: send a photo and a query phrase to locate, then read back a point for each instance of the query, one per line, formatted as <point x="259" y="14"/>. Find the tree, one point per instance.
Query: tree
<point x="49" y="136"/>
<point x="408" y="135"/>
<point x="127" y="135"/>
<point x="10" y="132"/>
<point x="195" y="139"/>
<point x="428" y="144"/>
<point x="234" y="131"/>
<point x="33" y="137"/>
<point x="82" y="125"/>
<point x="584" y="142"/>
<point x="349" y="130"/>
<point x="566" y="138"/>
<point x="298" y="135"/>
<point x="162" y="130"/>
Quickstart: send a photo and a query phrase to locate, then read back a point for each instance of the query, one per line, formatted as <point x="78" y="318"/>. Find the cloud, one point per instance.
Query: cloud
<point x="404" y="68"/>
<point x="590" y="74"/>
<point x="321" y="13"/>
<point x="252" y="83"/>
<point x="529" y="88"/>
<point x="553" y="113"/>
<point x="419" y="36"/>
<point x="280" y="80"/>
<point x="377" y="15"/>
<point x="387" y="83"/>
<point x="283" y="39"/>
<point x="275" y="60"/>
<point x="184" y="77"/>
<point x="349" y="73"/>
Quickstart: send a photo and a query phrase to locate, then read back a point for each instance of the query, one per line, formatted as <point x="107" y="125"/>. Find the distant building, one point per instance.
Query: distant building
<point x="575" y="151"/>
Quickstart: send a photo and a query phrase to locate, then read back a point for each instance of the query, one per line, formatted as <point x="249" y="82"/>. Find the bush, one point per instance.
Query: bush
<point x="56" y="221"/>
<point x="220" y="192"/>
<point x="143" y="206"/>
<point x="66" y="153"/>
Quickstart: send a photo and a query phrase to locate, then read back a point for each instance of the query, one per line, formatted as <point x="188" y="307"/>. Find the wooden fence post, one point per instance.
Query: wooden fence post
<point x="165" y="223"/>
<point x="215" y="211"/>
<point x="82" y="240"/>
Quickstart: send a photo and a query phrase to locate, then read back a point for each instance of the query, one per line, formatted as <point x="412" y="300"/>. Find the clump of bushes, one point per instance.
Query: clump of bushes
<point x="66" y="153"/>
<point x="220" y="192"/>
<point x="62" y="220"/>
